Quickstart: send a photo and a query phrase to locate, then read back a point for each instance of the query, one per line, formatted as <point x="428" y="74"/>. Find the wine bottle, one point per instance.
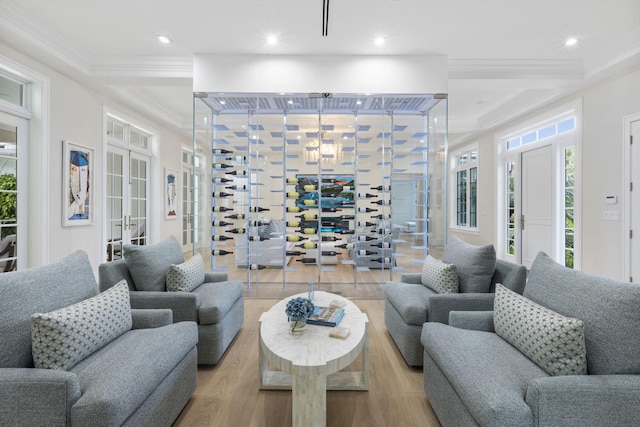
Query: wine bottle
<point x="382" y="188"/>
<point x="257" y="209"/>
<point x="220" y="223"/>
<point x="217" y="180"/>
<point x="236" y="230"/>
<point x="220" y="252"/>
<point x="220" y="209"/>
<point x="293" y="224"/>
<point x="296" y="238"/>
<point x="257" y="223"/>
<point x="347" y="217"/>
<point x="363" y="252"/>
<point x="365" y="224"/>
<point x="220" y="238"/>
<point x="309" y="187"/>
<point x="295" y="209"/>
<point x="347" y="188"/>
<point x="383" y="245"/>
<point x="257" y="238"/>
<point x="383" y="260"/>
<point x="235" y="216"/>
<point x="258" y="267"/>
<point x="384" y="231"/>
<point x="307" y="260"/>
<point x="331" y="209"/>
<point x="382" y="202"/>
<point x="237" y="187"/>
<point x="307" y="230"/>
<point x="307" y="245"/>
<point x="221" y="151"/>
<point x="366" y="195"/>
<point x="345" y="246"/>
<point x="293" y="195"/>
<point x="329" y="253"/>
<point x="347" y="231"/>
<point x="295" y="253"/>
<point x="307" y="216"/>
<point x="237" y="158"/>
<point x="382" y="216"/>
<point x="221" y="194"/>
<point x="330" y="238"/>
<point x="365" y="238"/>
<point x="221" y="166"/>
<point x="237" y="173"/>
<point x="292" y="180"/>
<point x="366" y="210"/>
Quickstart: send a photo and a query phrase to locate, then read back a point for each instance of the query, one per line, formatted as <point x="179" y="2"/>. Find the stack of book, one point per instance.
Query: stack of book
<point x="326" y="316"/>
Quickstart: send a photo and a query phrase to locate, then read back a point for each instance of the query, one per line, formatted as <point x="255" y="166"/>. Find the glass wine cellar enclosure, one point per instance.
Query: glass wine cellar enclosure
<point x="344" y="190"/>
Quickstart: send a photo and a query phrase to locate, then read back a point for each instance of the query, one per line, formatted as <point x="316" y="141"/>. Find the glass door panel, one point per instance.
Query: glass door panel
<point x="9" y="134"/>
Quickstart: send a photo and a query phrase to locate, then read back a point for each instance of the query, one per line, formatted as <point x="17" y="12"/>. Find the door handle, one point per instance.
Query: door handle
<point x="522" y="222"/>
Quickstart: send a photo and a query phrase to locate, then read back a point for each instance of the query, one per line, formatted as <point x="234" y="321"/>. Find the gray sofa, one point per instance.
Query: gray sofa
<point x="216" y="305"/>
<point x="409" y="304"/>
<point x="143" y="377"/>
<point x="473" y="376"/>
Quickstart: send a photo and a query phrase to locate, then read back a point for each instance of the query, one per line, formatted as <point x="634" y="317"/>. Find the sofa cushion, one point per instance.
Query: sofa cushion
<point x="554" y="342"/>
<point x="608" y="308"/>
<point x="475" y="264"/>
<point x="187" y="276"/>
<point x="216" y="299"/>
<point x="150" y="264"/>
<point x="409" y="300"/>
<point x="117" y="379"/>
<point x="489" y="375"/>
<point x="64" y="337"/>
<point x="440" y="277"/>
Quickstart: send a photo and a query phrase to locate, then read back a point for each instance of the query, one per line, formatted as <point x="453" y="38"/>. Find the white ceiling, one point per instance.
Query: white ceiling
<point x="506" y="57"/>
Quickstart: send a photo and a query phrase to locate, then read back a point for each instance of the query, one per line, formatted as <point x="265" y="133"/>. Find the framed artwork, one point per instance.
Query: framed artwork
<point x="170" y="193"/>
<point x="77" y="187"/>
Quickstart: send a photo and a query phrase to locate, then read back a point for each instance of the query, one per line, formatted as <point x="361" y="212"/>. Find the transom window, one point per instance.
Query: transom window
<point x="544" y="132"/>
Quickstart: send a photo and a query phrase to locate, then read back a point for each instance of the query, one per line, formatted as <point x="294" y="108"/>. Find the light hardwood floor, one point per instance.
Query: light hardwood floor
<point x="228" y="394"/>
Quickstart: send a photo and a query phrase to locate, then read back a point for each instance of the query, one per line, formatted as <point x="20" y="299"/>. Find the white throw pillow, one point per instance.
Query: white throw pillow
<point x="440" y="277"/>
<point x="552" y="341"/>
<point x="62" y="338"/>
<point x="187" y="276"/>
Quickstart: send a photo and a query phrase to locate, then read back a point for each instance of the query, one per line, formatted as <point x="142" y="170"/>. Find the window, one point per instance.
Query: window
<point x="569" y="205"/>
<point x="544" y="132"/>
<point x="511" y="208"/>
<point x="465" y="168"/>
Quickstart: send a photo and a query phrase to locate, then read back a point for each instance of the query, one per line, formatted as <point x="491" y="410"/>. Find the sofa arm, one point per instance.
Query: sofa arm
<point x="215" y="277"/>
<point x="439" y="305"/>
<point x="472" y="320"/>
<point x="183" y="304"/>
<point x="611" y="400"/>
<point x="37" y="397"/>
<point x="414" y="278"/>
<point x="151" y="318"/>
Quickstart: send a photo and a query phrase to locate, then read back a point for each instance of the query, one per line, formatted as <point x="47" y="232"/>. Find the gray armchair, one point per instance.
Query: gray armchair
<point x="409" y="304"/>
<point x="216" y="305"/>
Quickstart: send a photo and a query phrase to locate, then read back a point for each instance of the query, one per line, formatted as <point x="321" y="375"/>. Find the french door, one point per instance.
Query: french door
<point x="127" y="201"/>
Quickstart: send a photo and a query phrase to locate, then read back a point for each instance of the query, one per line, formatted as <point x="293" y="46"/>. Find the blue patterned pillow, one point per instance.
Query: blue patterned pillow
<point x="552" y="341"/>
<point x="440" y="277"/>
<point x="62" y="338"/>
<point x="187" y="276"/>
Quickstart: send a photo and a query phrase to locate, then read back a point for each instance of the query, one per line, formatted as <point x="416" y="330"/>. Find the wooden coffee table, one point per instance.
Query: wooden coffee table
<point x="308" y="364"/>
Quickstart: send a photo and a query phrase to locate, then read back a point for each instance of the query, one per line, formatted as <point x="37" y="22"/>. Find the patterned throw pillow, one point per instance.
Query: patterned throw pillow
<point x="187" y="276"/>
<point x="61" y="339"/>
<point x="440" y="277"/>
<point x="554" y="342"/>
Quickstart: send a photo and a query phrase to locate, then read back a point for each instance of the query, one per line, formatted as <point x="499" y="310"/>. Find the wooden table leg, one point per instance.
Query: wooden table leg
<point x="309" y="395"/>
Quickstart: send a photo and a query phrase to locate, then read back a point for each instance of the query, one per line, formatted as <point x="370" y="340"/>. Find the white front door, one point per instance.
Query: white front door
<point x="538" y="204"/>
<point x="634" y="213"/>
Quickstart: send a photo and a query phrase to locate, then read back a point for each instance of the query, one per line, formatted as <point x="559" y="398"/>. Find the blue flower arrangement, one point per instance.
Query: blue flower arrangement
<point x="298" y="309"/>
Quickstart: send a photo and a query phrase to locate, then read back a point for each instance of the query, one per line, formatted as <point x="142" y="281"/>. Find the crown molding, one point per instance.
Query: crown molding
<point x="19" y="25"/>
<point x="467" y="68"/>
<point x="150" y="105"/>
<point x="149" y="66"/>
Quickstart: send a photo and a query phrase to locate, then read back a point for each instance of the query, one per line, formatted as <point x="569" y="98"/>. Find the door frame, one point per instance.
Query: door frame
<point x="626" y="194"/>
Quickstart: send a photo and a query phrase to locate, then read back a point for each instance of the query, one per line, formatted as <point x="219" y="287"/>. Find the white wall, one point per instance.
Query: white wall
<point x="76" y="114"/>
<point x="604" y="106"/>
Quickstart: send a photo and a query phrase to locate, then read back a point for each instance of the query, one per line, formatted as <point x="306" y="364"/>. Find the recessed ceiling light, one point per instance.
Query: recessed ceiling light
<point x="379" y="41"/>
<point x="164" y="39"/>
<point x="272" y="40"/>
<point x="223" y="102"/>
<point x="290" y="102"/>
<point x="359" y="102"/>
<point x="571" y="41"/>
